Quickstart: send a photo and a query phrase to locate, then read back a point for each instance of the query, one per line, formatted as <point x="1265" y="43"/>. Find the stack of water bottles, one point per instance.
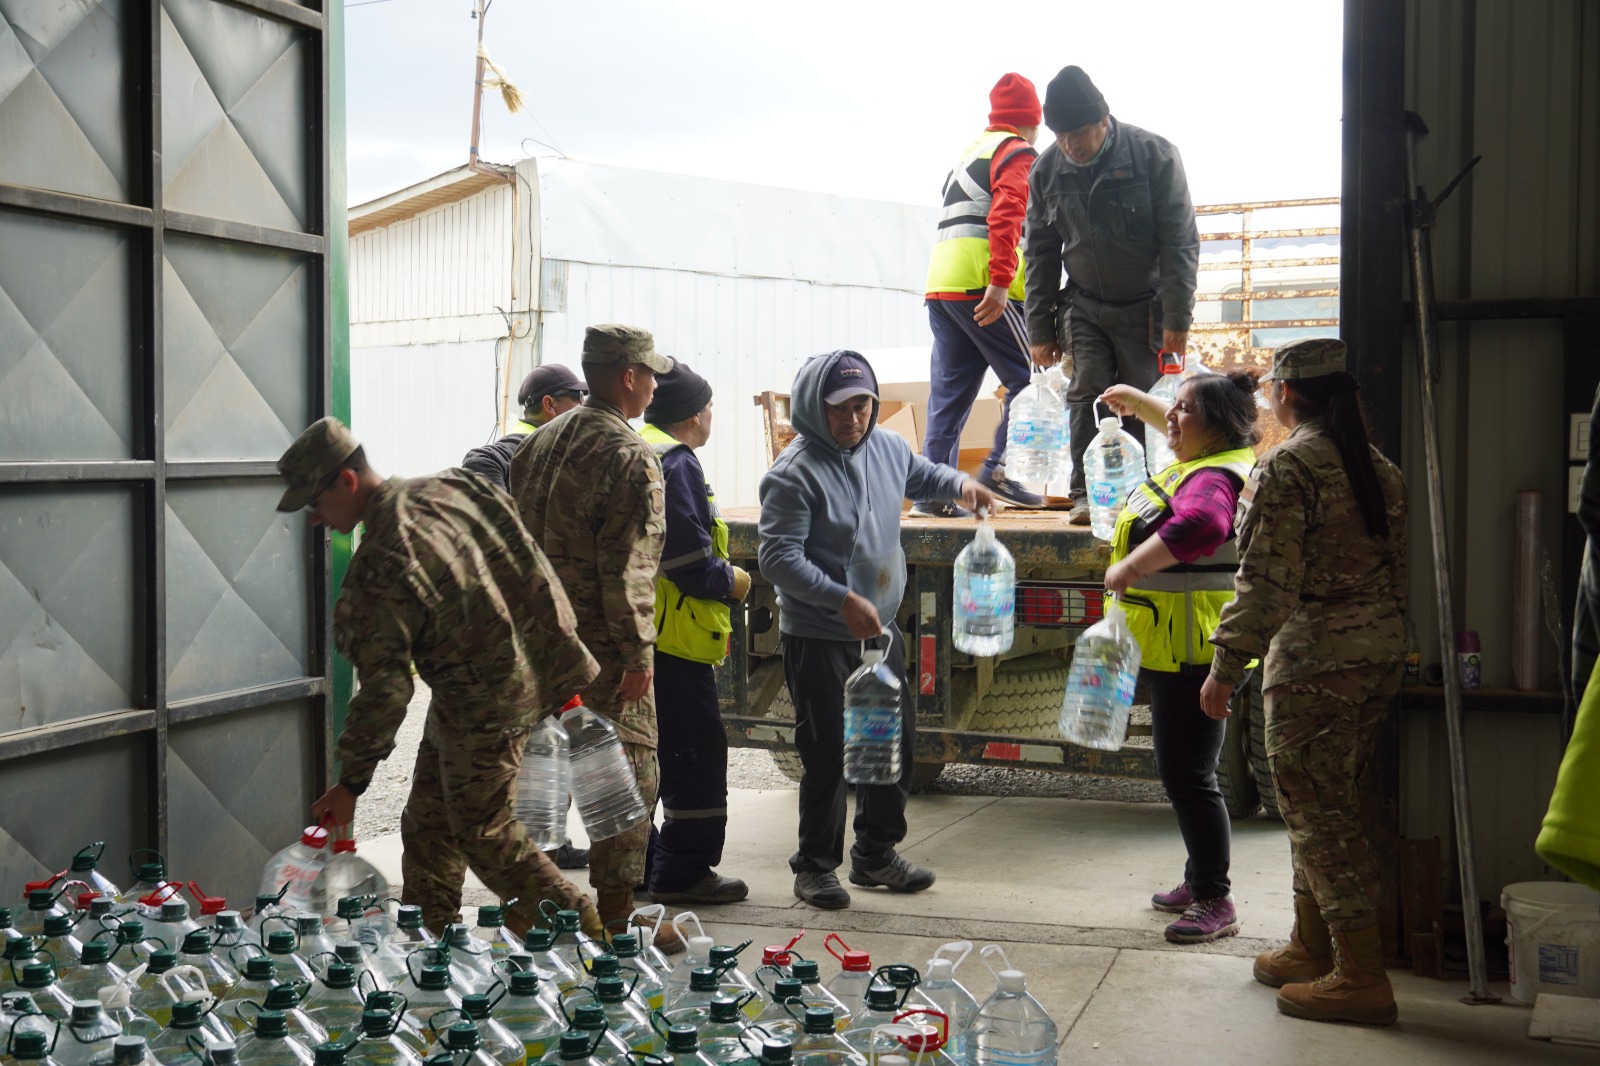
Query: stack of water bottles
<point x="577" y="755"/>
<point x="368" y="985"/>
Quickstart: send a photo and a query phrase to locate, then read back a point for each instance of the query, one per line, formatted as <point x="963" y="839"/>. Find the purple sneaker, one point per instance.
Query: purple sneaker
<point x="1206" y="919"/>
<point x="1175" y="902"/>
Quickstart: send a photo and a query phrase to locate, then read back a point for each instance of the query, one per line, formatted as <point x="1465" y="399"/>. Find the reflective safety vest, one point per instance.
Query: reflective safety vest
<point x="526" y="428"/>
<point x="1173" y="612"/>
<point x="960" y="261"/>
<point x="688" y="627"/>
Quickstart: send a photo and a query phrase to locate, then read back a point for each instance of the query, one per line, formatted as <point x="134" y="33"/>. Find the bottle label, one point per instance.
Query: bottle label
<point x="1034" y="433"/>
<point x="986" y="596"/>
<point x="863" y="722"/>
<point x="1104" y="493"/>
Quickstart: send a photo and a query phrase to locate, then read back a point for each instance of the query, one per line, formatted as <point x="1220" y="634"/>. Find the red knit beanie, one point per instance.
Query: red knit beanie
<point x="1013" y="102"/>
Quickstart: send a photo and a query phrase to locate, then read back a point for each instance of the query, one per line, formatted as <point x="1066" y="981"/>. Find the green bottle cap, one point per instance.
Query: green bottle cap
<point x="329" y="1054"/>
<point x="610" y="989"/>
<point x="408" y="916"/>
<point x="31" y="1044"/>
<point x="574" y="1046"/>
<point x="197" y="942"/>
<point x="589" y="1016"/>
<point x="263" y="902"/>
<point x="724" y="1008"/>
<point x="376" y="1022"/>
<point x="777" y="1052"/>
<point x="350" y="908"/>
<point x="57" y="925"/>
<point x="174" y="910"/>
<point x="434" y="978"/>
<point x="161" y="961"/>
<point x="605" y="966"/>
<point x="126" y="1050"/>
<point x="806" y="971"/>
<point x="682" y="1040"/>
<point x="491" y="916"/>
<point x="882" y="998"/>
<point x="42" y="899"/>
<point x="462" y="1036"/>
<point x="350" y="953"/>
<point x="5" y="917"/>
<point x="95" y="952"/>
<point x="723" y="954"/>
<point x="272" y="1024"/>
<point x="130" y="932"/>
<point x="187" y="1014"/>
<point x="819" y="1019"/>
<point x="524" y="984"/>
<point x="339" y="975"/>
<point x="475" y="1006"/>
<point x="282" y="998"/>
<point x="38" y="975"/>
<point x="786" y="988"/>
<point x="307" y="925"/>
<point x="625" y="945"/>
<point x="259" y="968"/>
<point x="567" y="922"/>
<point x="539" y="941"/>
<point x="702" y="979"/>
<point x="280" y="942"/>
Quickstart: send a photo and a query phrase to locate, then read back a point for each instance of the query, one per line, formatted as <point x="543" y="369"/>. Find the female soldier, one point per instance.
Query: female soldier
<point x="1322" y="596"/>
<point x="1172" y="562"/>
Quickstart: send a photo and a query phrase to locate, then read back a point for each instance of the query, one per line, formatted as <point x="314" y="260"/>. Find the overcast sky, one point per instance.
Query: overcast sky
<point x="867" y="98"/>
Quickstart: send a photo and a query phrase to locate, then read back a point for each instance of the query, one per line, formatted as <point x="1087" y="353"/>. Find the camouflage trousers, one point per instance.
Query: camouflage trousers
<point x="462" y="813"/>
<point x="617" y="863"/>
<point x="1321" y="731"/>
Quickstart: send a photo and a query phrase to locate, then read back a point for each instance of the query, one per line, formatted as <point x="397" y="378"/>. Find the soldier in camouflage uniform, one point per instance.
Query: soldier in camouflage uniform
<point x="1321" y="598"/>
<point x="590" y="490"/>
<point x="445" y="577"/>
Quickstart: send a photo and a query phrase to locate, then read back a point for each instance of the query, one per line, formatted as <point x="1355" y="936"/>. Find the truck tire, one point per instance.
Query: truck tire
<point x="1025" y="698"/>
<point x="787" y="760"/>
<point x="1254" y="708"/>
<point x="1234" y="774"/>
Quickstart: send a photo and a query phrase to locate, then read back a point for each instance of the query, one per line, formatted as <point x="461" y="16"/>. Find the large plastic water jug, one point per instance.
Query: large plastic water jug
<point x="298" y="866"/>
<point x="1099" y="696"/>
<point x="346" y="874"/>
<point x="603" y="784"/>
<point x="872" y="723"/>
<point x="985" y="594"/>
<point x="1113" y="466"/>
<point x="1035" y="433"/>
<point x="943" y="993"/>
<point x="1012" y="1028"/>
<point x="1176" y="369"/>
<point x="544" y="782"/>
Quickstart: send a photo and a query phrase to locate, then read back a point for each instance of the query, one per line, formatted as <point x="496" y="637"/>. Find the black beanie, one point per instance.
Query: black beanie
<point x="680" y="394"/>
<point x="1071" y="101"/>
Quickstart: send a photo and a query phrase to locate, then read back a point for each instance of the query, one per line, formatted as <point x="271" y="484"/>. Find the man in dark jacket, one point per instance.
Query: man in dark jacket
<point x="547" y="391"/>
<point x="1108" y="203"/>
<point x="830" y="544"/>
<point x="694" y="590"/>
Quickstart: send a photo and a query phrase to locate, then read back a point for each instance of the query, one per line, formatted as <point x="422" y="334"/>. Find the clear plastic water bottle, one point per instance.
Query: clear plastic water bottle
<point x="819" y="1043"/>
<point x="544" y="782"/>
<point x="530" y="1017"/>
<point x="190" y="1019"/>
<point x="1113" y="466"/>
<point x="502" y="1045"/>
<point x="269" y="1043"/>
<point x="723" y="1033"/>
<point x="149" y="877"/>
<point x="345" y="875"/>
<point x="985" y="594"/>
<point x="941" y="991"/>
<point x="815" y="994"/>
<point x="1012" y="1028"/>
<point x="336" y="1003"/>
<point x="605" y="1046"/>
<point x="86" y="868"/>
<point x="298" y="866"/>
<point x="94" y="971"/>
<point x="683" y="1046"/>
<point x="553" y="970"/>
<point x="1034" y="434"/>
<point x="38" y="979"/>
<point x="872" y="724"/>
<point x="603" y="784"/>
<point x="19" y="1014"/>
<point x="172" y="922"/>
<point x="849" y="986"/>
<point x="463" y="1045"/>
<point x="630" y="956"/>
<point x="1175" y="370"/>
<point x="86" y="1038"/>
<point x="1100" y="683"/>
<point x="33" y="1047"/>
<point x="196" y="951"/>
<point x="381" y="1044"/>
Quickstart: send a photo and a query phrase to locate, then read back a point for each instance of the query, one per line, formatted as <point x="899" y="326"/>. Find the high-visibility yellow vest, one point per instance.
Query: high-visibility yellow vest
<point x="526" y="428"/>
<point x="960" y="261"/>
<point x="1173" y="612"/>
<point x="688" y="627"/>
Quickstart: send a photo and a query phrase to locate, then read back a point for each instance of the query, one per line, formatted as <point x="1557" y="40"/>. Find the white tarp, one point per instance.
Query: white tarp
<point x="617" y="216"/>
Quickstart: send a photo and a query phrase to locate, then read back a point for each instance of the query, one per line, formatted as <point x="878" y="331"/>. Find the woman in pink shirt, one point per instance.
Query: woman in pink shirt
<point x="1172" y="565"/>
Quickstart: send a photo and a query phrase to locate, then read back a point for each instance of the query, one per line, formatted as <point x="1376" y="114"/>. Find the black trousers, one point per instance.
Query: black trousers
<point x="1188" y="745"/>
<point x="815" y="670"/>
<point x="693" y="756"/>
<point x="1109" y="343"/>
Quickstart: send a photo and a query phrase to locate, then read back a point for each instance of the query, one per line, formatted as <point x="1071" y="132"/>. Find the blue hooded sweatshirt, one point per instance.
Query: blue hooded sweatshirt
<point x="830" y="516"/>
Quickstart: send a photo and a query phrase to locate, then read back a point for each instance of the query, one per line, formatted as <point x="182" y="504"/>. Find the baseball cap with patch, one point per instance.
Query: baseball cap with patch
<point x="621" y="345"/>
<point x="849" y="378"/>
<point x="1314" y="357"/>
<point x="547" y="380"/>
<point x="312" y="459"/>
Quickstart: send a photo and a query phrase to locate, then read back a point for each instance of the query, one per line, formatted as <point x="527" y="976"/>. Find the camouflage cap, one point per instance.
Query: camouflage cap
<point x="1314" y="357"/>
<point x="312" y="458"/>
<point x="617" y="344"/>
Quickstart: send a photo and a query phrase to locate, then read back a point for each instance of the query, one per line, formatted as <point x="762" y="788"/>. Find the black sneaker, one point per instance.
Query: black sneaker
<point x="897" y="875"/>
<point x="1079" y="515"/>
<point x="1009" y="491"/>
<point x="821" y="890"/>
<point x="567" y="857"/>
<point x="945" y="509"/>
<point x="712" y="888"/>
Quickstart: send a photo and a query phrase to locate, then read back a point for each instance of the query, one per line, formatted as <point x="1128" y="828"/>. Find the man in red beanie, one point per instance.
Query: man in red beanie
<point x="975" y="288"/>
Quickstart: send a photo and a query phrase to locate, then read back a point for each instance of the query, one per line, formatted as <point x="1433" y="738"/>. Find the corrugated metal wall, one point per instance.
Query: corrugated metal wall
<point x="744" y="335"/>
<point x="419" y="407"/>
<point x="453" y="261"/>
<point x="1516" y="83"/>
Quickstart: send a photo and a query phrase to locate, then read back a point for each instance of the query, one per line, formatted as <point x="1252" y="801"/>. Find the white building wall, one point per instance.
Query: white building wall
<point x="744" y="335"/>
<point x="419" y="407"/>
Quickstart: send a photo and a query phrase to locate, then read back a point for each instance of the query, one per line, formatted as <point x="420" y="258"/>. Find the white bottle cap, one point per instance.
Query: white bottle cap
<point x="939" y="970"/>
<point x="700" y="946"/>
<point x="1109" y="425"/>
<point x="1012" y="981"/>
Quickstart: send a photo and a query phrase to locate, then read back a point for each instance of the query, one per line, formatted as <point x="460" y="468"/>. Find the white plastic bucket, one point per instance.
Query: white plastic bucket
<point x="1553" y="939"/>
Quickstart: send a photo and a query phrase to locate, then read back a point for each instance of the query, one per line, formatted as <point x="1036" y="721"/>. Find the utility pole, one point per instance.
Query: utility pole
<point x="480" y="13"/>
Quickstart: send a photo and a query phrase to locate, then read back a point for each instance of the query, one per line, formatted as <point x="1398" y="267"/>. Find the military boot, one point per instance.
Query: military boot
<point x="1356" y="991"/>
<point x="616" y="904"/>
<point x="1308" y="955"/>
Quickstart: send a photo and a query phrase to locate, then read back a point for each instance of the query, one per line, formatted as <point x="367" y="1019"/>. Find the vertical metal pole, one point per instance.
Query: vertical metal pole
<point x="1427" y="356"/>
<point x="477" y="87"/>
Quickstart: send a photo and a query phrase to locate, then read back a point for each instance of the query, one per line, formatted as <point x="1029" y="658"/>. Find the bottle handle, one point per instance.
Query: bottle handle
<point x="677" y="923"/>
<point x="827" y="944"/>
<point x="991" y="951"/>
<point x="962" y="947"/>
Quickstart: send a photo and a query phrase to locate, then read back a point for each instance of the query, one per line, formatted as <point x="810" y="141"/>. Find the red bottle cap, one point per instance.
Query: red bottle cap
<point x="342" y="846"/>
<point x="314" y="836"/>
<point x="576" y="701"/>
<point x="857" y="962"/>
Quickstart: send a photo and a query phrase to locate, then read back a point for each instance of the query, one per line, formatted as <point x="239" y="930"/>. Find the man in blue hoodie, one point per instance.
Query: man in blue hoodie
<point x="830" y="544"/>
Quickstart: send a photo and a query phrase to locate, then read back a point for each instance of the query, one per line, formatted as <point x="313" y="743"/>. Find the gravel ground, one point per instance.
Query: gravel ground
<point x="378" y="813"/>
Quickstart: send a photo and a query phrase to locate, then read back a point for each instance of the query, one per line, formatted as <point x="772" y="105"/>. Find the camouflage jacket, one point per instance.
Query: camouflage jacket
<point x="447" y="577"/>
<point x="590" y="491"/>
<point x="1314" y="593"/>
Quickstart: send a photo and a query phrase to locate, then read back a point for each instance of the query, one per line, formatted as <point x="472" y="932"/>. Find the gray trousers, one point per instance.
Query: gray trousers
<point x="1109" y="343"/>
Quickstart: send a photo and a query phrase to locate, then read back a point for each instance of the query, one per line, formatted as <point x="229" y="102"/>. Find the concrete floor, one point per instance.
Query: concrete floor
<point x="1063" y="886"/>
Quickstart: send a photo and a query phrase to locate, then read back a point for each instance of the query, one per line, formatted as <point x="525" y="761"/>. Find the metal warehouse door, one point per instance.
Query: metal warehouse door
<point x="163" y="336"/>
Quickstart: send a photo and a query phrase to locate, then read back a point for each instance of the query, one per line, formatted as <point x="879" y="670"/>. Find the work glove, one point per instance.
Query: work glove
<point x="741" y="584"/>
